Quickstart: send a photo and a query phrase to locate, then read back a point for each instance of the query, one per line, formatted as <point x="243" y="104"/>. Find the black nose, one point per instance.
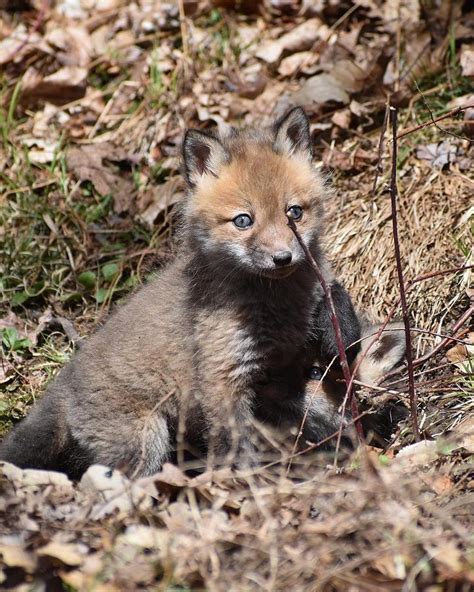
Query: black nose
<point x="281" y="258"/>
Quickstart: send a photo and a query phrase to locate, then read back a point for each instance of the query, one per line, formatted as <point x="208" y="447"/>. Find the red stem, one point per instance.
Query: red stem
<point x="403" y="301"/>
<point x="336" y="326"/>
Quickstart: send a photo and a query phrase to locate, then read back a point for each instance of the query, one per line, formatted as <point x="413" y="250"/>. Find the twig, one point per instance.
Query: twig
<point x="336" y="326"/>
<point x="441" y="129"/>
<point x="379" y="168"/>
<point x="432" y="274"/>
<point x="403" y="301"/>
<point x="446" y="341"/>
<point x="184" y="37"/>
<point x="452" y="113"/>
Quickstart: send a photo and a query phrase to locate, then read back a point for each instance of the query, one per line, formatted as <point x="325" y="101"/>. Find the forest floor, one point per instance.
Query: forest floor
<point x="94" y="98"/>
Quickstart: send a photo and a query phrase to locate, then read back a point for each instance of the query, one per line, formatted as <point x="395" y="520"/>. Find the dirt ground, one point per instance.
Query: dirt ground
<point x="94" y="98"/>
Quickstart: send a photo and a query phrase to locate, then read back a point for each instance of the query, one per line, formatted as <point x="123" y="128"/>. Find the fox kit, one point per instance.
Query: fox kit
<point x="319" y="412"/>
<point x="186" y="356"/>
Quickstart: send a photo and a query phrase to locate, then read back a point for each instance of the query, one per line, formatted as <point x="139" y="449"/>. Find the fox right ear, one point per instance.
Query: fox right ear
<point x="292" y="134"/>
<point x="202" y="154"/>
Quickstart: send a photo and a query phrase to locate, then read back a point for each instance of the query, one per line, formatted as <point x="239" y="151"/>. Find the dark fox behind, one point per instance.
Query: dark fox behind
<point x="184" y="359"/>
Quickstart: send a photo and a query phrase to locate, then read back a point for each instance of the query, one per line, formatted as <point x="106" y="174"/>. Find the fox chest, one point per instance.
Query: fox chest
<point x="247" y="344"/>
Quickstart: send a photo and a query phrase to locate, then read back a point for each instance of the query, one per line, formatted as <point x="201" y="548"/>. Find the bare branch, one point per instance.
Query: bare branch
<point x="396" y="242"/>
<point x="337" y="329"/>
<point x="452" y="113"/>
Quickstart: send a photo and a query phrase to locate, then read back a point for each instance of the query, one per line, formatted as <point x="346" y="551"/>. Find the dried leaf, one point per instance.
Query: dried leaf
<point x="437" y="155"/>
<point x="418" y="454"/>
<point x="160" y="199"/>
<point x="65" y="85"/>
<point x="89" y="163"/>
<point x="44" y="151"/>
<point x="466" y="60"/>
<point x="13" y="554"/>
<point x="302" y="61"/>
<point x="300" y="38"/>
<point x="66" y="553"/>
<point x="74" y="45"/>
<point x="320" y="89"/>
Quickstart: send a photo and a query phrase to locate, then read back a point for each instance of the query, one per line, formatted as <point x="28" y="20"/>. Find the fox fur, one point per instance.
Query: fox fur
<point x="183" y="362"/>
<point x="319" y="413"/>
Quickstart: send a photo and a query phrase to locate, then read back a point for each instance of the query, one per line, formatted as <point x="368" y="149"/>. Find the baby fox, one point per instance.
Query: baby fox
<point x="184" y="359"/>
<point x="319" y="412"/>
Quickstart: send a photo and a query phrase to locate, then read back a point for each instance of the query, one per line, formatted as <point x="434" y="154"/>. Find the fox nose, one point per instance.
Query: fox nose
<point x="281" y="258"/>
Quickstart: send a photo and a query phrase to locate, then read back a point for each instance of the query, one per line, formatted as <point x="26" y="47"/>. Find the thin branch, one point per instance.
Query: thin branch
<point x="336" y="326"/>
<point x="403" y="301"/>
<point x="452" y="113"/>
<point x="446" y="341"/>
<point x="379" y="168"/>
<point x="442" y="130"/>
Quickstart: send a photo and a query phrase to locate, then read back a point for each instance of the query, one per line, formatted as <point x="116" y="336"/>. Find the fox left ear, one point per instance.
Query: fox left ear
<point x="202" y="154"/>
<point x="384" y="355"/>
<point x="292" y="135"/>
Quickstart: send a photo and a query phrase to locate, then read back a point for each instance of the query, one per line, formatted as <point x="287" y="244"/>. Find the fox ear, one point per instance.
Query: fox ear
<point x="292" y="135"/>
<point x="384" y="355"/>
<point x="202" y="154"/>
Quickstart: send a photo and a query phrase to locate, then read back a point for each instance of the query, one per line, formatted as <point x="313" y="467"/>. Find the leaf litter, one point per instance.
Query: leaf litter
<point x="96" y="96"/>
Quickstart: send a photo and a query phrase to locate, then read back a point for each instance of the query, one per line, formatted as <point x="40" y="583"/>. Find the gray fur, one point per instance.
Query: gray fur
<point x="184" y="359"/>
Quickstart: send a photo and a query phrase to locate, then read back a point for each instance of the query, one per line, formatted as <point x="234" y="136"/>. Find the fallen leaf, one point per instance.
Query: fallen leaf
<point x="66" y="553"/>
<point x="342" y="118"/>
<point x="320" y="89"/>
<point x="401" y="13"/>
<point x="63" y="86"/>
<point x="249" y="83"/>
<point x="302" y="61"/>
<point x="14" y="555"/>
<point x="89" y="163"/>
<point x="160" y="199"/>
<point x="441" y="484"/>
<point x="458" y="353"/>
<point x="418" y="454"/>
<point x="464" y="433"/>
<point x="41" y="151"/>
<point x="466" y="60"/>
<point x="74" y="45"/>
<point x="300" y="38"/>
<point x="437" y="155"/>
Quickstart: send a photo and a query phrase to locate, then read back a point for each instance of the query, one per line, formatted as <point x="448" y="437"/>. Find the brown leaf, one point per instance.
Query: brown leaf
<point x="342" y="118"/>
<point x="320" y="89"/>
<point x="466" y="60"/>
<point x="302" y="61"/>
<point x="300" y="38"/>
<point x="458" y="353"/>
<point x="90" y="163"/>
<point x="14" y="555"/>
<point x="437" y="155"/>
<point x="161" y="198"/>
<point x="66" y="553"/>
<point x="249" y="83"/>
<point x="74" y="45"/>
<point x="65" y="85"/>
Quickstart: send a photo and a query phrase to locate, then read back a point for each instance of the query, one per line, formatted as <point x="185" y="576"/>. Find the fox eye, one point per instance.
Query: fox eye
<point x="243" y="221"/>
<point x="295" y="212"/>
<point x="315" y="373"/>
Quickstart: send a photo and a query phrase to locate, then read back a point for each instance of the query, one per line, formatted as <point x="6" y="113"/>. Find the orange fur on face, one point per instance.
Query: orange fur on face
<point x="263" y="184"/>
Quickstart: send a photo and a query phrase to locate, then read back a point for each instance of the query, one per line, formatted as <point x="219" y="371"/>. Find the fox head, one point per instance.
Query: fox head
<point x="243" y="187"/>
<point x="324" y="393"/>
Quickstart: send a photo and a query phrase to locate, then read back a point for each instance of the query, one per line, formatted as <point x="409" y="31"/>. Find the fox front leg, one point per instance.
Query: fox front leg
<point x="224" y="371"/>
<point x="323" y="338"/>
